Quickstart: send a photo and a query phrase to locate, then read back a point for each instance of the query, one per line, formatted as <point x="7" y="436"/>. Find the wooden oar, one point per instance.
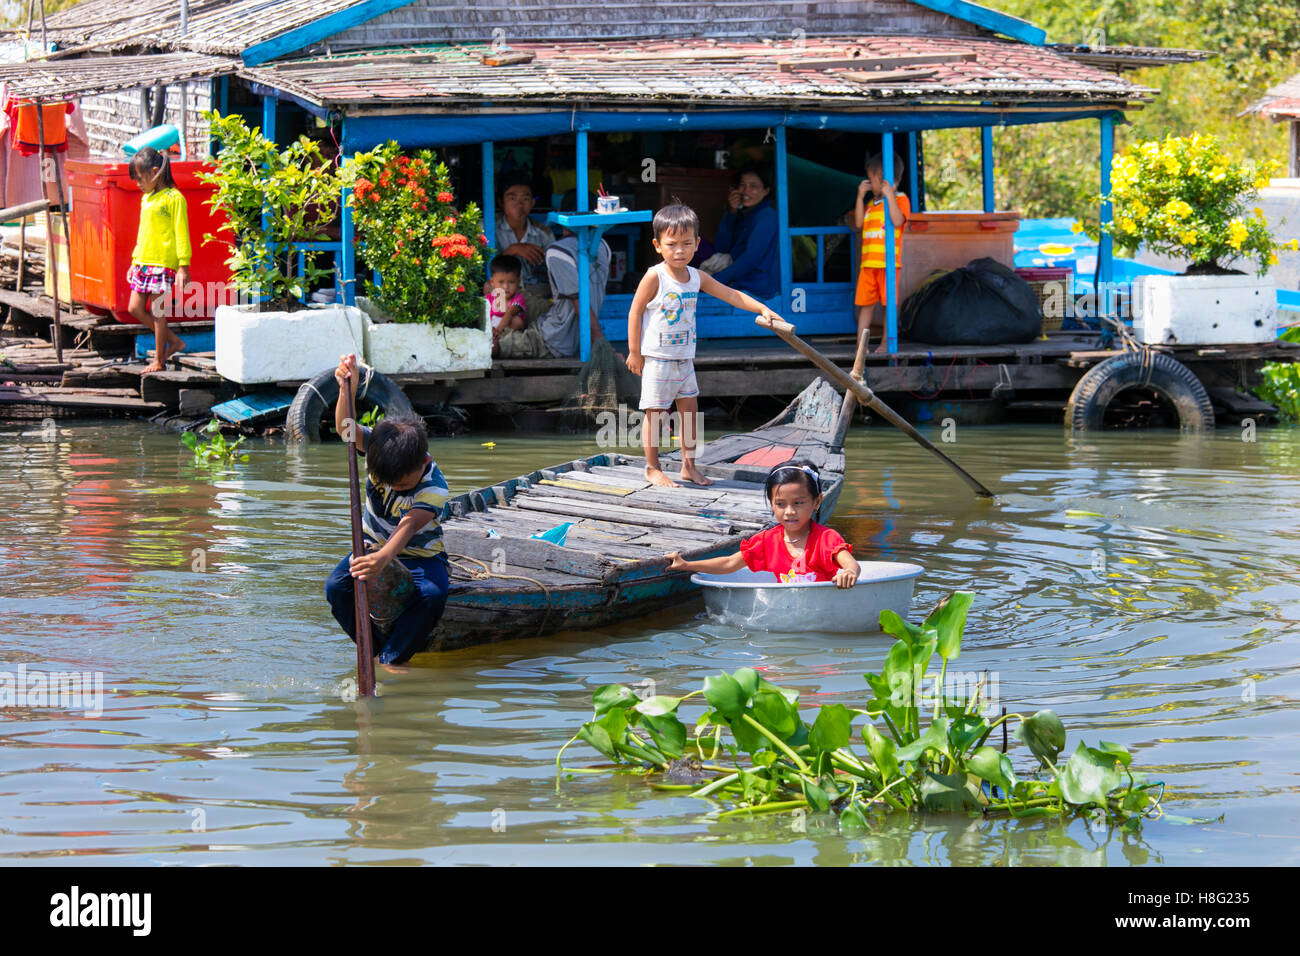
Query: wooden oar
<point x="365" y="645"/>
<point x="866" y="396"/>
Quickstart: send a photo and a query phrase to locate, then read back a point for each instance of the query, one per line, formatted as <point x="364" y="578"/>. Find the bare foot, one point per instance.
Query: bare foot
<point x="155" y="366"/>
<point x="882" y="349"/>
<point x="394" y="669"/>
<point x="657" y="477"/>
<point x="695" y="476"/>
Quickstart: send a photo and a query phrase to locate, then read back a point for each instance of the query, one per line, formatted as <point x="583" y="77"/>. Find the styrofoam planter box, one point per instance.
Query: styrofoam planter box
<point x="1204" y="310"/>
<point x="397" y="348"/>
<point x="256" y="347"/>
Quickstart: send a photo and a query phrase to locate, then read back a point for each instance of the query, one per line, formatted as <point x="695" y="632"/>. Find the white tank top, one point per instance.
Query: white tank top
<point x="668" y="326"/>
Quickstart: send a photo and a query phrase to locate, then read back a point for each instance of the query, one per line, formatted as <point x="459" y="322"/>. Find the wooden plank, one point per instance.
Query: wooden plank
<point x="587" y="487"/>
<point x="525" y="552"/>
<point x="642" y="516"/>
<point x="873" y="63"/>
<point x="250" y="408"/>
<point x="886" y="76"/>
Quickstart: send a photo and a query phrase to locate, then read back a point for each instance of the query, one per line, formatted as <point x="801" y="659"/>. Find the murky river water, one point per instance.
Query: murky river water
<point x="1167" y="624"/>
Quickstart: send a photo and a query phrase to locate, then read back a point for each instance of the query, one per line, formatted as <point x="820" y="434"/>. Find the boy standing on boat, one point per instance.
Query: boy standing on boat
<point x="661" y="337"/>
<point x="405" y="493"/>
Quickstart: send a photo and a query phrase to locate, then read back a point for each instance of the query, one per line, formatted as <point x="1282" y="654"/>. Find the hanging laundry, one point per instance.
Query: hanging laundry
<point x="25" y="126"/>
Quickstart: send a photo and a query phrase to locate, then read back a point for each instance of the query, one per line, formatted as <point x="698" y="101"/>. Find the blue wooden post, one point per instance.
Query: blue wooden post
<point x="584" y="257"/>
<point x="913" y="172"/>
<point x="783" y="243"/>
<point x="489" y="195"/>
<point x="346" y="262"/>
<point x="1106" y="246"/>
<point x="986" y="162"/>
<point x="268" y="117"/>
<point x="891" y="283"/>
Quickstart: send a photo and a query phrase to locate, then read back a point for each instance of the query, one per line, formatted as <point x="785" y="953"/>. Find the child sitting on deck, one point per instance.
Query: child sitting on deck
<point x="798" y="549"/>
<point x="661" y="336"/>
<point x="405" y="493"/>
<point x="505" y="300"/>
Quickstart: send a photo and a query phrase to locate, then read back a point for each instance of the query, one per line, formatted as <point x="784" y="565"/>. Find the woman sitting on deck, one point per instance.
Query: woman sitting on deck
<point x="748" y="234"/>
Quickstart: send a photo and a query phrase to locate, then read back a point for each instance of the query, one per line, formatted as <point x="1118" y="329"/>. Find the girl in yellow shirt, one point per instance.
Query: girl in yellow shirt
<point x="162" y="249"/>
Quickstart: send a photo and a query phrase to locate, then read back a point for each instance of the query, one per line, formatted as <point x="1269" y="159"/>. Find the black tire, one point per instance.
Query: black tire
<point x="1166" y="376"/>
<point x="316" y="398"/>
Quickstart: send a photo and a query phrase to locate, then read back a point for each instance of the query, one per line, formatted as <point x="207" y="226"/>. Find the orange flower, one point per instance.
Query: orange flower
<point x="445" y="197"/>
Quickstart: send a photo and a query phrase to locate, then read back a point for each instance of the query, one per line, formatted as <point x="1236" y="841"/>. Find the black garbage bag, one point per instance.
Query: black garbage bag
<point x="982" y="303"/>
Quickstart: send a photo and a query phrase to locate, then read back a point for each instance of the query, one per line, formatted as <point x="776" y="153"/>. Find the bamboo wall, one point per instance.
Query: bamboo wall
<point x="113" y="118"/>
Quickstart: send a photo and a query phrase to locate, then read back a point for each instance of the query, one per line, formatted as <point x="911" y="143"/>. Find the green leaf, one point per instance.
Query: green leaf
<point x="892" y="623"/>
<point x="1043" y="734"/>
<point x="815" y="795"/>
<point x="598" y="737"/>
<point x="1087" y="777"/>
<point x="965" y="730"/>
<point x="189" y="441"/>
<point x="725" y="695"/>
<point x="747" y="738"/>
<point x="832" y="729"/>
<point x="668" y="733"/>
<point x="934" y="738"/>
<point x="949" y="619"/>
<point x="852" y="818"/>
<point x="656" y="706"/>
<point x="611" y="696"/>
<point x="775" y="712"/>
<point x="951" y="792"/>
<point x="1116" y="751"/>
<point x="993" y="766"/>
<point x="882" y="752"/>
<point x="748" y="680"/>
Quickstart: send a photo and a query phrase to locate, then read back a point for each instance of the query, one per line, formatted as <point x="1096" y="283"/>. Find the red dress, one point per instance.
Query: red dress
<point x="766" y="551"/>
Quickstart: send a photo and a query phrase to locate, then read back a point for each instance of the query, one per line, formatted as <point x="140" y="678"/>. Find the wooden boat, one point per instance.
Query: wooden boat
<point x="506" y="584"/>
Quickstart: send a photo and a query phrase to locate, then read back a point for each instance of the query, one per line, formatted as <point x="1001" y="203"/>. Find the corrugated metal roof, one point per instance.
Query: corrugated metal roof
<point x="741" y="73"/>
<point x="72" y="78"/>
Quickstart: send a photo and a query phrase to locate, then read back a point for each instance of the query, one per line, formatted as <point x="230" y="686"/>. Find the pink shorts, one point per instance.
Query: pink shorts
<point x="150" y="280"/>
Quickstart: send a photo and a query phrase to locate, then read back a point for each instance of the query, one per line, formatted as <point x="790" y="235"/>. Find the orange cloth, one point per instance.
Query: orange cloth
<point x="27" y="128"/>
<point x="873" y="233"/>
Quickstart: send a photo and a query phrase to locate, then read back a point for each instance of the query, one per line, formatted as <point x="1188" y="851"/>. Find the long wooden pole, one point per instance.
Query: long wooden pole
<point x="365" y="644"/>
<point x="52" y="266"/>
<point x="867" y="397"/>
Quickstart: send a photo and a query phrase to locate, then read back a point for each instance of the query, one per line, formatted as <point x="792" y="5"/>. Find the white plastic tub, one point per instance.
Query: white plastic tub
<point x="755" y="599"/>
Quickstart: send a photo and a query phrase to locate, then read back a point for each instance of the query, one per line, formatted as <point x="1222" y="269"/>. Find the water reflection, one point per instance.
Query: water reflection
<point x="1145" y="587"/>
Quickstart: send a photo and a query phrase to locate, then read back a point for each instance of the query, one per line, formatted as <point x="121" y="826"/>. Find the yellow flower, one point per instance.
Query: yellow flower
<point x="1293" y="245"/>
<point x="1217" y="174"/>
<point x="1188" y="237"/>
<point x="1259" y="213"/>
<point x="1076" y="226"/>
<point x="1140" y="208"/>
<point x="1126" y="225"/>
<point x="1177" y="209"/>
<point x="1262" y="183"/>
<point x="1272" y="258"/>
<point x="1237" y="233"/>
<point x="1171" y="166"/>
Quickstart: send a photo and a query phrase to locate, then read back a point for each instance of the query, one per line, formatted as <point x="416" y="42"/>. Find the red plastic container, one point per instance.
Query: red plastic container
<point x="105" y="216"/>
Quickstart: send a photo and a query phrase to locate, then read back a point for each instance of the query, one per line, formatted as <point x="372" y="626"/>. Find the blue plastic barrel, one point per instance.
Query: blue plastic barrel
<point x="160" y="138"/>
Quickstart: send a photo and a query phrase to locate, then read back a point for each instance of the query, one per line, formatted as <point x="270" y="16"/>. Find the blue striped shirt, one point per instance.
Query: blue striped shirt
<point x="385" y="508"/>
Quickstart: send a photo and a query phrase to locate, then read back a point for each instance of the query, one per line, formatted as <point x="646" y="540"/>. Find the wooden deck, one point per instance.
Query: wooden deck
<point x="100" y="374"/>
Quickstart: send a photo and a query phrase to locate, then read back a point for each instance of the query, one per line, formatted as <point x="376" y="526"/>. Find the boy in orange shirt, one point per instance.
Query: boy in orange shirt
<point x="871" y="295"/>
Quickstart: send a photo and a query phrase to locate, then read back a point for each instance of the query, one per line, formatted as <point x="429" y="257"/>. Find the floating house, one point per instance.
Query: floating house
<point x="653" y="100"/>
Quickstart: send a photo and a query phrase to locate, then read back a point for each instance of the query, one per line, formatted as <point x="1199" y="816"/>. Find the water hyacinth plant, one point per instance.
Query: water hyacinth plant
<point x="754" y="751"/>
<point x="1186" y="198"/>
<point x="213" y="448"/>
<point x="429" y="254"/>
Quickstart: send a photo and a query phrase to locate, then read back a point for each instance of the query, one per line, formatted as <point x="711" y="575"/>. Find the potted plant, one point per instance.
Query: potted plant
<point x="274" y="200"/>
<point x="1184" y="197"/>
<point x="427" y="313"/>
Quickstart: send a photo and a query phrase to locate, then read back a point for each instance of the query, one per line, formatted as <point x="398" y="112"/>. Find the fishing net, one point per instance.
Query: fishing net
<point x="602" y="383"/>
